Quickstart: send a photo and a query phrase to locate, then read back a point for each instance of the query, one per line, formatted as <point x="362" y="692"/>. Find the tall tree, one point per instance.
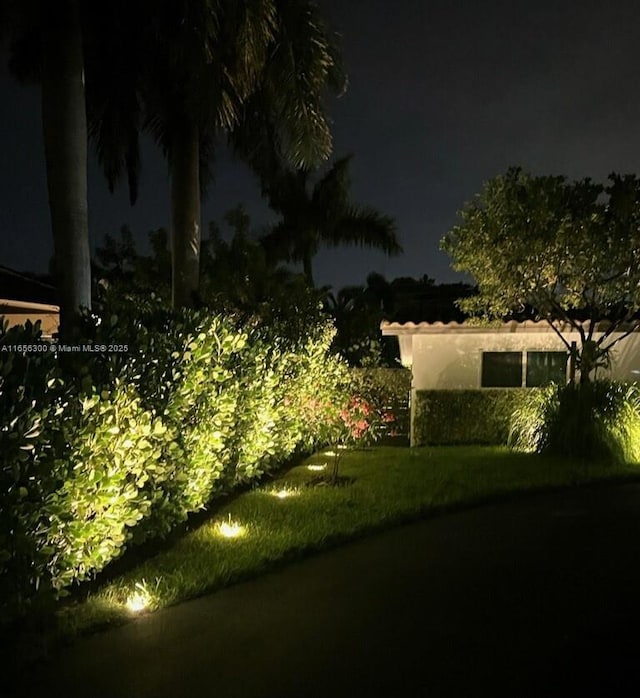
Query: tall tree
<point x="193" y="68"/>
<point x="116" y="60"/>
<point x="46" y="46"/>
<point x="568" y="252"/>
<point x="322" y="214"/>
<point x="214" y="61"/>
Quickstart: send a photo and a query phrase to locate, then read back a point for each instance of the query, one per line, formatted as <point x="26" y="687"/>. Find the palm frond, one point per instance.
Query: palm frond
<point x="365" y="227"/>
<point x="303" y="59"/>
<point x="254" y="23"/>
<point x="114" y="59"/>
<point x="332" y="193"/>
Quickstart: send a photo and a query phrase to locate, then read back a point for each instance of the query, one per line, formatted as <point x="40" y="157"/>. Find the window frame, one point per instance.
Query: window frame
<point x="524" y="364"/>
<point x="500" y="387"/>
<point x="543" y="351"/>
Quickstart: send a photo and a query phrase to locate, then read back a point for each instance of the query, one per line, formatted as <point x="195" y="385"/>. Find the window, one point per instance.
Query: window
<point x="544" y="367"/>
<point x="501" y="369"/>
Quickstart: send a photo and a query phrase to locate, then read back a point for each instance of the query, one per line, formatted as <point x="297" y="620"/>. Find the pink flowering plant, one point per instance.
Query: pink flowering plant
<point x="360" y="421"/>
<point x="352" y="421"/>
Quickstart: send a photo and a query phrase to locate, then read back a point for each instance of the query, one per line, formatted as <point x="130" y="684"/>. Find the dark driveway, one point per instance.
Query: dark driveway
<point x="535" y="597"/>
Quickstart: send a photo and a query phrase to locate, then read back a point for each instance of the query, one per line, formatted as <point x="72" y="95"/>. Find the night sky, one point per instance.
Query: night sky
<point x="443" y="95"/>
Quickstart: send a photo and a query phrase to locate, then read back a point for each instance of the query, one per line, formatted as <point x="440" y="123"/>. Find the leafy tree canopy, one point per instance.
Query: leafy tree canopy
<point x="566" y="252"/>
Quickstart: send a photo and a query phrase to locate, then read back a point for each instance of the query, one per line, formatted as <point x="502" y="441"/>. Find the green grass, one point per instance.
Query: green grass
<point x="389" y="486"/>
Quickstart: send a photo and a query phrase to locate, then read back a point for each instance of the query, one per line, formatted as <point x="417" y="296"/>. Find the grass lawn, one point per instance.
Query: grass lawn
<point x="289" y="516"/>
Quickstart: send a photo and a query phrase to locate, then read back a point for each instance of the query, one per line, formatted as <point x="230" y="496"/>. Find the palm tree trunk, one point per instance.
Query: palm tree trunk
<point x="65" y="142"/>
<point x="185" y="215"/>
<point x="307" y="268"/>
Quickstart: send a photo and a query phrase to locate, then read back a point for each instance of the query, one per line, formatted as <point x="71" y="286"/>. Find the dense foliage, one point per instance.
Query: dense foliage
<point x="106" y="448"/>
<point x="560" y="251"/>
<point x="598" y="421"/>
<point x="386" y="390"/>
<point x="235" y="275"/>
<point x="466" y="416"/>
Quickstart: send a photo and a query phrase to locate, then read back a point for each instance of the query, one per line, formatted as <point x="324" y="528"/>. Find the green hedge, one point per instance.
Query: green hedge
<point x="466" y="416"/>
<point x="108" y="449"/>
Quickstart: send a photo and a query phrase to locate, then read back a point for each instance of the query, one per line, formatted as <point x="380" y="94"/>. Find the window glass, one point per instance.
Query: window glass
<point x="544" y="367"/>
<point x="502" y="369"/>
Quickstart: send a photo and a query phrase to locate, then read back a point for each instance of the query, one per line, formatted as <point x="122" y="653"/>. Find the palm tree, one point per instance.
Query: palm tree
<point x="116" y="58"/>
<point x="87" y="61"/>
<point x="46" y="46"/>
<point x="193" y="68"/>
<point x="214" y="62"/>
<point x="322" y="214"/>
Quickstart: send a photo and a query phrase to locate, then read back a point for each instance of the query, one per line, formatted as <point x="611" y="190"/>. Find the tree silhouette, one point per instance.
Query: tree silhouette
<point x="215" y="61"/>
<point x="186" y="71"/>
<point x="322" y="214"/>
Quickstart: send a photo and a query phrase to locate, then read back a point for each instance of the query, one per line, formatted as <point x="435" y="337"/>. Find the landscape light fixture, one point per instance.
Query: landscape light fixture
<point x="231" y="529"/>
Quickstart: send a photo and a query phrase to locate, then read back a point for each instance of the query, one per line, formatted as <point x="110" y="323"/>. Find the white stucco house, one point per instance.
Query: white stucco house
<point x="462" y="356"/>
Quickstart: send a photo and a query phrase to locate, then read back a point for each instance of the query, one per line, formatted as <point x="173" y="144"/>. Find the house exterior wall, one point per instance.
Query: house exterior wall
<point x="450" y="361"/>
<point x="450" y="356"/>
<point x="49" y="321"/>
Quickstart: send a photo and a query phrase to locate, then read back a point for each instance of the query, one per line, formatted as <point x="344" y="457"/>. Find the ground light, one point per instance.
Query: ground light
<point x="284" y="493"/>
<point x="317" y="467"/>
<point x="140" y="599"/>
<point x="231" y="529"/>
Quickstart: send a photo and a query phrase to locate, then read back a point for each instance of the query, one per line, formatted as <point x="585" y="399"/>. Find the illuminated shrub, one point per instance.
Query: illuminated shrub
<point x="592" y="421"/>
<point x="203" y="407"/>
<point x="116" y="468"/>
<point x="122" y="447"/>
<point x="360" y="422"/>
<point x="530" y="417"/>
<point x="32" y="465"/>
<point x="256" y="445"/>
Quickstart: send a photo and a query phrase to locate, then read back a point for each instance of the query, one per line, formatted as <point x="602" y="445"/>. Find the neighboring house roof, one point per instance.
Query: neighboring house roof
<point x="24" y="297"/>
<point x="418" y="304"/>
<point x="26" y="287"/>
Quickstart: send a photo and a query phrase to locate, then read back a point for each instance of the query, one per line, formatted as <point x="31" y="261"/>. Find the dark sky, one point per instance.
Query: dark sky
<point x="443" y="96"/>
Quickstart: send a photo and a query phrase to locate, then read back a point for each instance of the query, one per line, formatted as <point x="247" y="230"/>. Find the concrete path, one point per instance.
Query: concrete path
<point x="535" y="597"/>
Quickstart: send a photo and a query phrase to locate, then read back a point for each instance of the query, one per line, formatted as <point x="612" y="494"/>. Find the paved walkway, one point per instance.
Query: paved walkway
<point x="536" y="597"/>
